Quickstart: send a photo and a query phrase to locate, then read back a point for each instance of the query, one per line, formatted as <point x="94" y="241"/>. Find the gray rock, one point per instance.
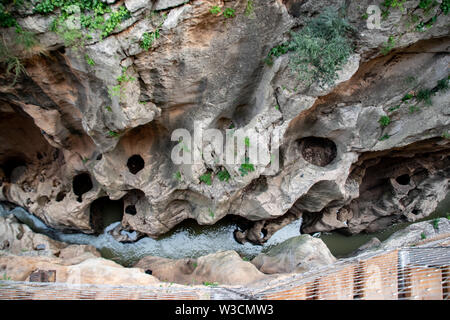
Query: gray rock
<point x="135" y="5"/>
<point x="166" y="4"/>
<point x="298" y="254"/>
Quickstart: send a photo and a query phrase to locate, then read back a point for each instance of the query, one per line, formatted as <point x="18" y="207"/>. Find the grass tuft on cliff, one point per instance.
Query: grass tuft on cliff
<point x="321" y="48"/>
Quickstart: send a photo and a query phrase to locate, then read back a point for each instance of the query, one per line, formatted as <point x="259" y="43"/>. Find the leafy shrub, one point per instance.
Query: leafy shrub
<point x="229" y="13"/>
<point x="249" y="8"/>
<point x="388" y="46"/>
<point x="276" y="52"/>
<point x="321" y="48"/>
<point x="206" y="178"/>
<point x="442" y="84"/>
<point x="215" y="10"/>
<point x="177" y="175"/>
<point x="89" y="60"/>
<point x="425" y="96"/>
<point x="407" y="97"/>
<point x="384" y="121"/>
<point x="246" y="167"/>
<point x="224" y="175"/>
<point x="148" y="39"/>
<point x="113" y="134"/>
<point x="445" y="6"/>
<point x="388" y="4"/>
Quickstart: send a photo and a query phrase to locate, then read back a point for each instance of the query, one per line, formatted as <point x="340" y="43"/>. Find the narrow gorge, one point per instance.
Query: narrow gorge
<point x="351" y="108"/>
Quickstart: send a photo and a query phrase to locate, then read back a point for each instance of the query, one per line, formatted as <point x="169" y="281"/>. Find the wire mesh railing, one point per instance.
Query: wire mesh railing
<point x="421" y="272"/>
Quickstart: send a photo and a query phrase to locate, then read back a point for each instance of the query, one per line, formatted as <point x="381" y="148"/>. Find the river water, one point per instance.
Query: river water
<point x="191" y="240"/>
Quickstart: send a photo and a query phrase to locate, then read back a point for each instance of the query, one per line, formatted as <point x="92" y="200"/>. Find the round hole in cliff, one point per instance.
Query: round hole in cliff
<point x="99" y="157"/>
<point x="135" y="164"/>
<point x="131" y="210"/>
<point x="13" y="167"/>
<point x="82" y="183"/>
<point x="60" y="196"/>
<point x="318" y="151"/>
<point x="42" y="200"/>
<point x="104" y="212"/>
<point x="404" y="179"/>
<point x="148" y="271"/>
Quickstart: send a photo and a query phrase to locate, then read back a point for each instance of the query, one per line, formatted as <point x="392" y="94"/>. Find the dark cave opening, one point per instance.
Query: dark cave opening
<point x="10" y="165"/>
<point x="131" y="209"/>
<point x="103" y="212"/>
<point x="60" y="196"/>
<point x="82" y="183"/>
<point x="404" y="179"/>
<point x="135" y="164"/>
<point x="318" y="151"/>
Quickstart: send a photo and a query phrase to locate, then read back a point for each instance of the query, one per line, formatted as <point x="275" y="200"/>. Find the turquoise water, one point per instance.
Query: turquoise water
<point x="192" y="240"/>
<point x="341" y="245"/>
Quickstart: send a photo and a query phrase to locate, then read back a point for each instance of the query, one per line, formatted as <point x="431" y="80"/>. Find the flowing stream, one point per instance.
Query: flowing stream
<point x="192" y="240"/>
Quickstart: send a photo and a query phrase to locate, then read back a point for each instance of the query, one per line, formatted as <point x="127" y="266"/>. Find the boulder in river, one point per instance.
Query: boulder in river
<point x="297" y="254"/>
<point x="225" y="267"/>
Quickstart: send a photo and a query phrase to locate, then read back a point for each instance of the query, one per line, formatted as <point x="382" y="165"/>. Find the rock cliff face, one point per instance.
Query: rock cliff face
<point x="89" y="123"/>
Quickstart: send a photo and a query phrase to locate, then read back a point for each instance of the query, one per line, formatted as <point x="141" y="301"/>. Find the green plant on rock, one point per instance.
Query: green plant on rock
<point x="388" y="46"/>
<point x="321" y="48"/>
<point x="413" y="109"/>
<point x="384" y="137"/>
<point x="445" y="6"/>
<point x="13" y="64"/>
<point x="229" y="13"/>
<point x="210" y="284"/>
<point x="442" y="85"/>
<point x="211" y="213"/>
<point x="224" y="175"/>
<point x="246" y="167"/>
<point x="89" y="60"/>
<point x="177" y="176"/>
<point x="249" y="8"/>
<point x="423" y="236"/>
<point x="113" y="134"/>
<point x="388" y="4"/>
<point x="276" y="52"/>
<point x="392" y="109"/>
<point x="215" y="10"/>
<point x="123" y="78"/>
<point x="435" y="223"/>
<point x="407" y="97"/>
<point x="92" y="14"/>
<point x="384" y="121"/>
<point x="206" y="178"/>
<point x="424" y="95"/>
<point x="148" y="38"/>
<point x="446" y="135"/>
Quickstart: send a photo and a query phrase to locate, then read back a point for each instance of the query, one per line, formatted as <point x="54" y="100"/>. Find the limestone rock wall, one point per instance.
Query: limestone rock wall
<point x="69" y="136"/>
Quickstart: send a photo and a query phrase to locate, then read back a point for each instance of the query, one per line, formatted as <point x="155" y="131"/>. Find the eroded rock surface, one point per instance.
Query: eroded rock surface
<point x="225" y="267"/>
<point x="296" y="255"/>
<point x="69" y="139"/>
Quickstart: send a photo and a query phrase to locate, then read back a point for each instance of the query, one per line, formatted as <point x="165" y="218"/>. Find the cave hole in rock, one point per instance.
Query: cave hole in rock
<point x="131" y="209"/>
<point x="318" y="151"/>
<point x="135" y="164"/>
<point x="60" y="196"/>
<point x="82" y="183"/>
<point x="13" y="167"/>
<point x="104" y="212"/>
<point x="404" y="179"/>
